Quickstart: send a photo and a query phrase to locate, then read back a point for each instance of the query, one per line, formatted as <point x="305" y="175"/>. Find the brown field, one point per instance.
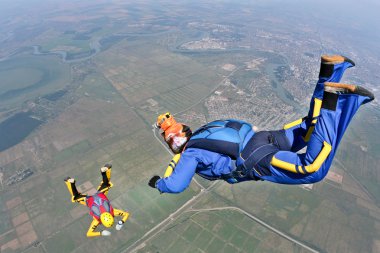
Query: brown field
<point x="20" y="219"/>
<point x="85" y="186"/>
<point x="78" y="211"/>
<point x="29" y="184"/>
<point x="376" y="246"/>
<point x="24" y="228"/>
<point x="13" y="245"/>
<point x="13" y="202"/>
<point x="28" y="238"/>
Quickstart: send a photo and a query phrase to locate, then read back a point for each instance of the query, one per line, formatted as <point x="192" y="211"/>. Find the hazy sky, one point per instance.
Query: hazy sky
<point x="357" y="18"/>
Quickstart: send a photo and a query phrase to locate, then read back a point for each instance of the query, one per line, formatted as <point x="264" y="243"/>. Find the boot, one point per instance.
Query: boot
<point x="331" y="62"/>
<point x="342" y="88"/>
<point x="333" y="90"/>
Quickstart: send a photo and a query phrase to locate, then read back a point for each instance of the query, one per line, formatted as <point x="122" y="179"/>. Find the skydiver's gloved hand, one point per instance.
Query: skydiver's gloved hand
<point x="119" y="225"/>
<point x="106" y="233"/>
<point x="153" y="181"/>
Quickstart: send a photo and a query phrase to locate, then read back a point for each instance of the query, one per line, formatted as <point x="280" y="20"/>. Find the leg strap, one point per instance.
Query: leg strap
<point x="256" y="156"/>
<point x="316" y="112"/>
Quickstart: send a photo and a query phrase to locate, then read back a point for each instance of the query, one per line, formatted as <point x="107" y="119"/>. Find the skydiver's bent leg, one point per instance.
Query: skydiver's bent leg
<point x="339" y="105"/>
<point x="106" y="184"/>
<point x="91" y="230"/>
<point x="331" y="70"/>
<point x="75" y="195"/>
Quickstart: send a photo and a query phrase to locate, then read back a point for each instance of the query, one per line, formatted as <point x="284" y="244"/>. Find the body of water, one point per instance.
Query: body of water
<point x="16" y="128"/>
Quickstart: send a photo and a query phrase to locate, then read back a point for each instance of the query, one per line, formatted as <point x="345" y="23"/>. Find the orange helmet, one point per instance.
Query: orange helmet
<point x="175" y="134"/>
<point x="165" y="120"/>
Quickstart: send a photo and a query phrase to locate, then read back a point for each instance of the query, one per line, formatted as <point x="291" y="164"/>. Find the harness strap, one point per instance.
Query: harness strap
<point x="294" y="123"/>
<point x="234" y="125"/>
<point x="202" y="129"/>
<point x="231" y="124"/>
<point x="316" y="113"/>
<point x="253" y="161"/>
<point x="230" y="149"/>
<point x="258" y="153"/>
<point x="280" y="140"/>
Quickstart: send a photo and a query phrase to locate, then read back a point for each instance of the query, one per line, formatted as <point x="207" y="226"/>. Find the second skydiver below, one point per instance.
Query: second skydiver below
<point x="230" y="150"/>
<point x="100" y="207"/>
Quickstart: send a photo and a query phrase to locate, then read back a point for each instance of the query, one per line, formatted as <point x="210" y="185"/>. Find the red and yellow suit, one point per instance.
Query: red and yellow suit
<point x="97" y="203"/>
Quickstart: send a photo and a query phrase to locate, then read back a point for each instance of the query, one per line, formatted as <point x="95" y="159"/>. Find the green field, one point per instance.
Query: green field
<point x="218" y="231"/>
<point x="360" y="150"/>
<point x="27" y="77"/>
<point x="174" y="81"/>
<point x="14" y="78"/>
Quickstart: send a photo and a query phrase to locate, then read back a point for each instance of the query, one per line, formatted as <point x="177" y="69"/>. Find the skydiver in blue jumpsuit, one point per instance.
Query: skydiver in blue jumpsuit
<point x="268" y="155"/>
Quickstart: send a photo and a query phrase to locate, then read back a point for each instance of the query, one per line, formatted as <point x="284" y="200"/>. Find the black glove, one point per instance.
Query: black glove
<point x="153" y="180"/>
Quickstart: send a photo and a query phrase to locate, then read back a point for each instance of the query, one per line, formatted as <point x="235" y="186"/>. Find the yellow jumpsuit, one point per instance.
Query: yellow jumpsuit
<point x="104" y="186"/>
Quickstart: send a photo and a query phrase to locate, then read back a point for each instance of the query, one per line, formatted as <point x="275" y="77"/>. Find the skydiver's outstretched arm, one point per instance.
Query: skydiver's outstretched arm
<point x="106" y="184"/>
<point x="331" y="70"/>
<point x="124" y="214"/>
<point x="181" y="176"/>
<point x="75" y="195"/>
<point x="124" y="218"/>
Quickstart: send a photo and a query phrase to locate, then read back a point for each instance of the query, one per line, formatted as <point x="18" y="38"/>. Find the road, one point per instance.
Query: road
<point x="187" y="207"/>
<point x="163" y="224"/>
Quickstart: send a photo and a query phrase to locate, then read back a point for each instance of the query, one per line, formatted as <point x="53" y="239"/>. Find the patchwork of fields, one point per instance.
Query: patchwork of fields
<point x="119" y="65"/>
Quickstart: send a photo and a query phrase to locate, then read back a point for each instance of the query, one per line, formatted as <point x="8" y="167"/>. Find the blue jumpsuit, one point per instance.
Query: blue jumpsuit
<point x="321" y="132"/>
